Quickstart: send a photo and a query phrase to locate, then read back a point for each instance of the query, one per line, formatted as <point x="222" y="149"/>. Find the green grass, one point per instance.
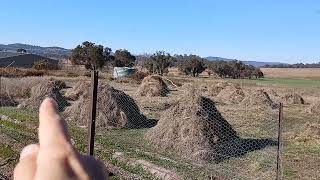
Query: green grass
<point x="300" y="148"/>
<point x="290" y="82"/>
<point x="14" y="126"/>
<point x="282" y="82"/>
<point x="289" y="173"/>
<point x="21" y="115"/>
<point x="6" y="151"/>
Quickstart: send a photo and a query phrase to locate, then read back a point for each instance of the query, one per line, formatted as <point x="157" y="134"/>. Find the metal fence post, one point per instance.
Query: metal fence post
<point x="93" y="110"/>
<point x="279" y="154"/>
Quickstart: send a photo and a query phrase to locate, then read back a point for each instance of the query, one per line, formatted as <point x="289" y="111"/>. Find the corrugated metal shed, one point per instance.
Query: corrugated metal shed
<point x="119" y="72"/>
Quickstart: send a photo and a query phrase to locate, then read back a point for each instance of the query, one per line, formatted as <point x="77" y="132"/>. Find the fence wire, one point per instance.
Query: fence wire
<point x="160" y="128"/>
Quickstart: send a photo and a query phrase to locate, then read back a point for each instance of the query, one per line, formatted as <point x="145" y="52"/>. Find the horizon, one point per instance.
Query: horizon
<point x="272" y="31"/>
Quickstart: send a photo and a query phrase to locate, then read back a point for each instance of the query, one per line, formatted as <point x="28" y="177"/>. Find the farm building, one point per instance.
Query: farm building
<point x="24" y="60"/>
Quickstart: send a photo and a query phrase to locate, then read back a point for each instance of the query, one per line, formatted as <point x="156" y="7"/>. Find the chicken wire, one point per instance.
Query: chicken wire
<point x="175" y="135"/>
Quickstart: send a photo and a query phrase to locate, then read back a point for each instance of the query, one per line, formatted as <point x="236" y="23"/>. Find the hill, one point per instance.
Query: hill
<point x="50" y="52"/>
<point x="253" y="63"/>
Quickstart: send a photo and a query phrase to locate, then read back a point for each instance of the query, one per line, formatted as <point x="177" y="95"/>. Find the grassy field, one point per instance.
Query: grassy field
<point x="129" y="155"/>
<point x="282" y="82"/>
<point x="132" y="145"/>
<point x="292" y="73"/>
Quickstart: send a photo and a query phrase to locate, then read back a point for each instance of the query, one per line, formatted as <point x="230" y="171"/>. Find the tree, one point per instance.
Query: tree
<point x="192" y="65"/>
<point x="91" y="55"/>
<point x="20" y="50"/>
<point x="123" y="58"/>
<point x="141" y="60"/>
<point x="235" y="69"/>
<point x="159" y="63"/>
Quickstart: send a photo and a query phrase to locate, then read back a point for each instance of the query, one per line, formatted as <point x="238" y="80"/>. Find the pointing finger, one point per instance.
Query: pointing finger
<point x="53" y="132"/>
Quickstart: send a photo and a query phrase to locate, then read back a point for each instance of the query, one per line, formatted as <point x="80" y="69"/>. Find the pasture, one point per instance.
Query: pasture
<point x="131" y="155"/>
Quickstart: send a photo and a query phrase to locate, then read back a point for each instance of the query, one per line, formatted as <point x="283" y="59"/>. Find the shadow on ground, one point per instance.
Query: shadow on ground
<point x="239" y="147"/>
<point x="229" y="144"/>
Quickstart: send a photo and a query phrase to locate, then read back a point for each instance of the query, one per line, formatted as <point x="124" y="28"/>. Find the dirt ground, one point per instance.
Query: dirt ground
<point x="129" y="155"/>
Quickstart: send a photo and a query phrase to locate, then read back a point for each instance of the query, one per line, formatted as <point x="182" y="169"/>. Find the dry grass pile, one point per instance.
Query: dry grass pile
<point x="258" y="98"/>
<point x="293" y="98"/>
<point x="115" y="109"/>
<point x="79" y="89"/>
<point x="272" y="93"/>
<point x="7" y="101"/>
<point x="309" y="134"/>
<point x="40" y="92"/>
<point x="217" y="88"/>
<point x="153" y="85"/>
<point x="193" y="127"/>
<point x="20" y="87"/>
<point x="229" y="93"/>
<point x="58" y="83"/>
<point x="314" y="108"/>
<point x="186" y="87"/>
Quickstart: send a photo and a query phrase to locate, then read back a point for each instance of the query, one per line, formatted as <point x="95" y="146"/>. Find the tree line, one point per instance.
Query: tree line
<point x="94" y="56"/>
<point x="298" y="65"/>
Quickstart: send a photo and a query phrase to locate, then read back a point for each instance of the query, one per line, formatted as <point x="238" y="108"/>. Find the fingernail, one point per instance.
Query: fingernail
<point x="52" y="101"/>
<point x="27" y="151"/>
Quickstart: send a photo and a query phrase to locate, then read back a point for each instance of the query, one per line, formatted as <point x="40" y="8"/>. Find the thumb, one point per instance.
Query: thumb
<point x="26" y="168"/>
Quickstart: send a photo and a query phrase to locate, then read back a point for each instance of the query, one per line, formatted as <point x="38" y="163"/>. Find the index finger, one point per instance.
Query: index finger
<point x="53" y="131"/>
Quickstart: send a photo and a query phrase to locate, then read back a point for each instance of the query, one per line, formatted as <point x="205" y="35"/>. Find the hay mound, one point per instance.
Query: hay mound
<point x="40" y="92"/>
<point x="153" y="85"/>
<point x="185" y="88"/>
<point x="7" y="101"/>
<point x="193" y="127"/>
<point x="275" y="97"/>
<point x="79" y="89"/>
<point x="217" y="88"/>
<point x="258" y="98"/>
<point x="231" y="94"/>
<point x="309" y="134"/>
<point x="292" y="98"/>
<point x="115" y="109"/>
<point x="314" y="108"/>
<point x="58" y="83"/>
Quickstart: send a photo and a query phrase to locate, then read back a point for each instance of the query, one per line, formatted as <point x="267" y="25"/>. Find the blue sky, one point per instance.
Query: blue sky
<point x="262" y="30"/>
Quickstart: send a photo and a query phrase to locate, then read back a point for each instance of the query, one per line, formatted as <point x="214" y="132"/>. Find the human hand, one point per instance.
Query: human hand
<point x="55" y="158"/>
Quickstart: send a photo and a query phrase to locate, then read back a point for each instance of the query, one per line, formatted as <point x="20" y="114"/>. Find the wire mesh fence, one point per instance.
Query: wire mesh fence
<point x="163" y="127"/>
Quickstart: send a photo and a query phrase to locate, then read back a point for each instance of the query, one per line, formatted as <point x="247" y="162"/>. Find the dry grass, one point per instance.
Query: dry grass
<point x="153" y="85"/>
<point x="194" y="128"/>
<point x="115" y="110"/>
<point x="20" y="87"/>
<point x="43" y="90"/>
<point x="295" y="73"/>
<point x="258" y="98"/>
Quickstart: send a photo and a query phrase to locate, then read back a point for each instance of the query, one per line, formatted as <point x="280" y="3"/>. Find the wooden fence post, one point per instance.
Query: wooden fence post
<point x="93" y="111"/>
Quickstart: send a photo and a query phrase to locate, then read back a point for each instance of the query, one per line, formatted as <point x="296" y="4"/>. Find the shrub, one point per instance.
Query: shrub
<point x="45" y="65"/>
<point x="33" y="73"/>
<point x="15" y="72"/>
<point x="138" y="76"/>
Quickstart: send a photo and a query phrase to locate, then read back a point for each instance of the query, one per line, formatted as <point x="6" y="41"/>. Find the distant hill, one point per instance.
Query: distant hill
<point x="26" y="60"/>
<point x="50" y="52"/>
<point x="253" y="63"/>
